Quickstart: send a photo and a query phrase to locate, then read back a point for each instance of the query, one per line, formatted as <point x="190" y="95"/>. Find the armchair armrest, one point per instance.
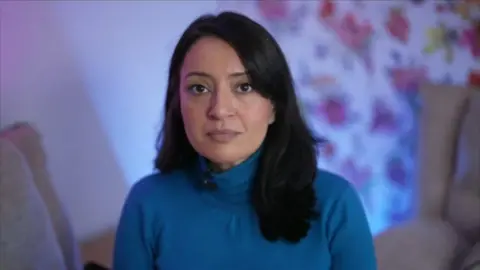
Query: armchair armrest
<point x="420" y="244"/>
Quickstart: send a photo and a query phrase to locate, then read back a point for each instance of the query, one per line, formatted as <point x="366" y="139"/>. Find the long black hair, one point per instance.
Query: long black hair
<point x="282" y="194"/>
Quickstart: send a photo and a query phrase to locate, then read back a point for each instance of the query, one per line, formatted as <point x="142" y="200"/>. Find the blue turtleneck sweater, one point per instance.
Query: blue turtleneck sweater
<point x="169" y="223"/>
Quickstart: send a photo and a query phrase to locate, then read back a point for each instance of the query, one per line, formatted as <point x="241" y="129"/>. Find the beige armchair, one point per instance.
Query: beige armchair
<point x="35" y="230"/>
<point x="445" y="234"/>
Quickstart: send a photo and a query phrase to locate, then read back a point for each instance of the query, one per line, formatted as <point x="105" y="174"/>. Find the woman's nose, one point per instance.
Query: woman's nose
<point x="221" y="104"/>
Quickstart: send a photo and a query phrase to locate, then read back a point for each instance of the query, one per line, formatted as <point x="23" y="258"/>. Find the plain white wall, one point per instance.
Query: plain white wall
<point x="91" y="77"/>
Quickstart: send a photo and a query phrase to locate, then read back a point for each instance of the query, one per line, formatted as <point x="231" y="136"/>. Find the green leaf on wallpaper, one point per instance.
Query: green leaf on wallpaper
<point x="449" y="55"/>
<point x="431" y="48"/>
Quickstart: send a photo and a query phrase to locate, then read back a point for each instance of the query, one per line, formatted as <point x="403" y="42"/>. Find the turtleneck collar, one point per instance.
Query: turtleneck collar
<point x="232" y="185"/>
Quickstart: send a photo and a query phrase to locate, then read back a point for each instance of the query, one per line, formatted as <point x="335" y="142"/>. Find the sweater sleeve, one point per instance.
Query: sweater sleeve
<point x="351" y="242"/>
<point x="134" y="238"/>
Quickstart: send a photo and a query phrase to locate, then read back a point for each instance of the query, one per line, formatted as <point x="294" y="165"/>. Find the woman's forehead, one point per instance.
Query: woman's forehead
<point x="213" y="57"/>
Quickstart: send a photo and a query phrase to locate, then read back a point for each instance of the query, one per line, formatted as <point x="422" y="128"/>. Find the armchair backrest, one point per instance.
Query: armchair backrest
<point x="443" y="108"/>
<point x="463" y="210"/>
<point x="29" y="142"/>
<point x="28" y="237"/>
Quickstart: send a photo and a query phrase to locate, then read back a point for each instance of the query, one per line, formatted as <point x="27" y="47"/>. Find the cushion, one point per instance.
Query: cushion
<point x="472" y="261"/>
<point x="464" y="213"/>
<point x="442" y="109"/>
<point x="469" y="145"/>
<point x="28" y="239"/>
<point x="422" y="244"/>
<point x="464" y="202"/>
<point x="99" y="249"/>
<point x="28" y="141"/>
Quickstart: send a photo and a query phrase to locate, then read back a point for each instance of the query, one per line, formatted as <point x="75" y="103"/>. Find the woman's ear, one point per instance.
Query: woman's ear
<point x="272" y="119"/>
<point x="272" y="116"/>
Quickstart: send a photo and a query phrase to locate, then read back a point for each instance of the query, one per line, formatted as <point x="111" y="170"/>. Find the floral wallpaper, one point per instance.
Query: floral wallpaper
<point x="358" y="65"/>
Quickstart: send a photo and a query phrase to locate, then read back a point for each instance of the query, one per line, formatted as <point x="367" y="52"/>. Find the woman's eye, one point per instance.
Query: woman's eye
<point x="197" y="89"/>
<point x="244" y="88"/>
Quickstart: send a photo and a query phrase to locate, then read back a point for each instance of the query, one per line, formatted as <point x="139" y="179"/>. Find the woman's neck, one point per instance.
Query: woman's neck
<point x="221" y="167"/>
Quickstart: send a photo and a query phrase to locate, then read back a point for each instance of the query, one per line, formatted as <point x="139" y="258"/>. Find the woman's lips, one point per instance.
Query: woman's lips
<point x="223" y="136"/>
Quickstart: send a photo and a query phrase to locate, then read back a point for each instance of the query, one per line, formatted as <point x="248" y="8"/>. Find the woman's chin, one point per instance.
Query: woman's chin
<point x="224" y="158"/>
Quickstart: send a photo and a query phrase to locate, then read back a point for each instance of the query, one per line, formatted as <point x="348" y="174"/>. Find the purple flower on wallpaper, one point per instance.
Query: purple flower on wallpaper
<point x="355" y="174"/>
<point x="321" y="51"/>
<point x="398" y="212"/>
<point x="397" y="172"/>
<point x="384" y="119"/>
<point x="396" y="56"/>
<point x="297" y="16"/>
<point x="334" y="110"/>
<point x="447" y="79"/>
<point x="408" y="144"/>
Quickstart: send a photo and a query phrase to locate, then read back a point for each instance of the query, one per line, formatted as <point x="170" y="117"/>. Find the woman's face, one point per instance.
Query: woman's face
<point x="225" y="119"/>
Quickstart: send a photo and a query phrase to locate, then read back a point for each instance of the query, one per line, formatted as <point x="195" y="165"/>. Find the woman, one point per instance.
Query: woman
<point x="238" y="186"/>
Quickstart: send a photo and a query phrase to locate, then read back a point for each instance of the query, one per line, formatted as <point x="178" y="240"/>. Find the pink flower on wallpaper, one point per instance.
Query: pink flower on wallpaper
<point x="397" y="172"/>
<point x="384" y="119"/>
<point x="408" y="79"/>
<point x="355" y="174"/>
<point x="328" y="150"/>
<point x="327" y="9"/>
<point x="274" y="10"/>
<point x="471" y="39"/>
<point x="334" y="110"/>
<point x="398" y="25"/>
<point x="355" y="35"/>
